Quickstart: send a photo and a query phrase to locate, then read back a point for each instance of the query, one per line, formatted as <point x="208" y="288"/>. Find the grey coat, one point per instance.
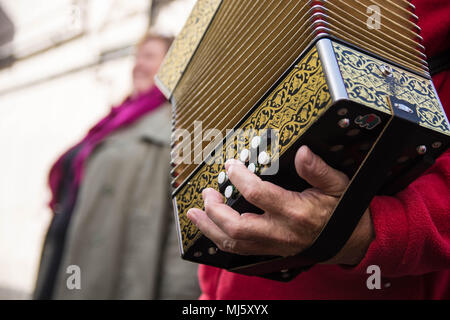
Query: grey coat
<point x="122" y="235"/>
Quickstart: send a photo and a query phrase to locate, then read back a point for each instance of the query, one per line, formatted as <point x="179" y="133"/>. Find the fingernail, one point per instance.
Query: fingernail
<point x="191" y="216"/>
<point x="229" y="169"/>
<point x="230" y="163"/>
<point x="205" y="194"/>
<point x="308" y="156"/>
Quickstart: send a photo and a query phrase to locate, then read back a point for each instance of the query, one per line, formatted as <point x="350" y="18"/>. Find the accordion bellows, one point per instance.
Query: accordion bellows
<point x="347" y="77"/>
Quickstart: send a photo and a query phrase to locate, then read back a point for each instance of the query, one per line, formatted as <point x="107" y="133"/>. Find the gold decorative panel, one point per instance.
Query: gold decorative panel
<point x="186" y="43"/>
<point x="366" y="84"/>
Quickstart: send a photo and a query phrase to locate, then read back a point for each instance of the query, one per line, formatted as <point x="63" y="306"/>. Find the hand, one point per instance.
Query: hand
<point x="291" y="222"/>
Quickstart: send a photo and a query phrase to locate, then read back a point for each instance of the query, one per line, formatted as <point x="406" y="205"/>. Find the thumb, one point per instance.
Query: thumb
<point x="317" y="173"/>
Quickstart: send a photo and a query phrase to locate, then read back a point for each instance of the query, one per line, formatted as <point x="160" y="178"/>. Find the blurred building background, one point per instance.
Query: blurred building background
<point x="63" y="63"/>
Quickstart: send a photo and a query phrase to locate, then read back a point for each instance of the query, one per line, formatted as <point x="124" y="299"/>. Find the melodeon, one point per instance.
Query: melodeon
<point x="348" y="78"/>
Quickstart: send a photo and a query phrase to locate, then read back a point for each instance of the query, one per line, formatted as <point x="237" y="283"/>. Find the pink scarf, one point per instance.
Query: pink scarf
<point x="121" y="116"/>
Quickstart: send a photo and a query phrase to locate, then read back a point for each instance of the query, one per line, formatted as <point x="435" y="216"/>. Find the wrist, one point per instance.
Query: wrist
<point x="356" y="247"/>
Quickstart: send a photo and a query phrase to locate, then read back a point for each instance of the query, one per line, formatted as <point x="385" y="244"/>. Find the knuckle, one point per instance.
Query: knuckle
<point x="293" y="245"/>
<point x="344" y="180"/>
<point x="228" y="245"/>
<point x="310" y="222"/>
<point x="252" y="194"/>
<point x="299" y="211"/>
<point x="295" y="215"/>
<point x="300" y="219"/>
<point x="322" y="169"/>
<point x="234" y="230"/>
<point x="311" y="198"/>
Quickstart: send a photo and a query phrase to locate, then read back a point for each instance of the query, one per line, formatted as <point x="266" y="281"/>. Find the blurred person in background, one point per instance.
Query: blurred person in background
<point x="113" y="222"/>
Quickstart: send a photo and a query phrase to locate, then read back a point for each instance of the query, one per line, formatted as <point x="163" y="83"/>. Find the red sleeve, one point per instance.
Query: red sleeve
<point x="412" y="229"/>
<point x="209" y="278"/>
<point x="434" y="21"/>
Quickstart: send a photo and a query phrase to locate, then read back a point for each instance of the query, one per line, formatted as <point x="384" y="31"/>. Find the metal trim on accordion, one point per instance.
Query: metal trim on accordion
<point x="366" y="113"/>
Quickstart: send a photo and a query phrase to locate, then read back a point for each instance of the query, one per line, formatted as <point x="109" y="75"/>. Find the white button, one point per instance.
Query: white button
<point x="222" y="177"/>
<point x="229" y="192"/>
<point x="256" y="141"/>
<point x="252" y="167"/>
<point x="263" y="158"/>
<point x="344" y="123"/>
<point x="245" y="155"/>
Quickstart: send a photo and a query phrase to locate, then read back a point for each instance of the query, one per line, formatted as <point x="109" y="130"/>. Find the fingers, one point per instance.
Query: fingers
<point x="211" y="196"/>
<point x="319" y="174"/>
<point x="206" y="225"/>
<point x="291" y="220"/>
<point x="265" y="195"/>
<point x="241" y="227"/>
<point x="226" y="243"/>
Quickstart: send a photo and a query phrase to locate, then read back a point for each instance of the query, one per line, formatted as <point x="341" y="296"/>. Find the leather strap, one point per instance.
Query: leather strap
<point x="439" y="62"/>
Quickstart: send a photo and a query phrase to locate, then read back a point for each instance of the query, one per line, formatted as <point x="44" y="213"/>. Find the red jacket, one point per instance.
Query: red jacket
<point x="412" y="244"/>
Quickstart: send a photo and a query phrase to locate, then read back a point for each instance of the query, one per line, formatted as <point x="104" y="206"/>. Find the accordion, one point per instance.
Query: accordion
<point x="256" y="79"/>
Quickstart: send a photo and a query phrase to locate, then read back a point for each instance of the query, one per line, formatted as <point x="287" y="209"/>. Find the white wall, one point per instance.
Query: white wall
<point x="39" y="122"/>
